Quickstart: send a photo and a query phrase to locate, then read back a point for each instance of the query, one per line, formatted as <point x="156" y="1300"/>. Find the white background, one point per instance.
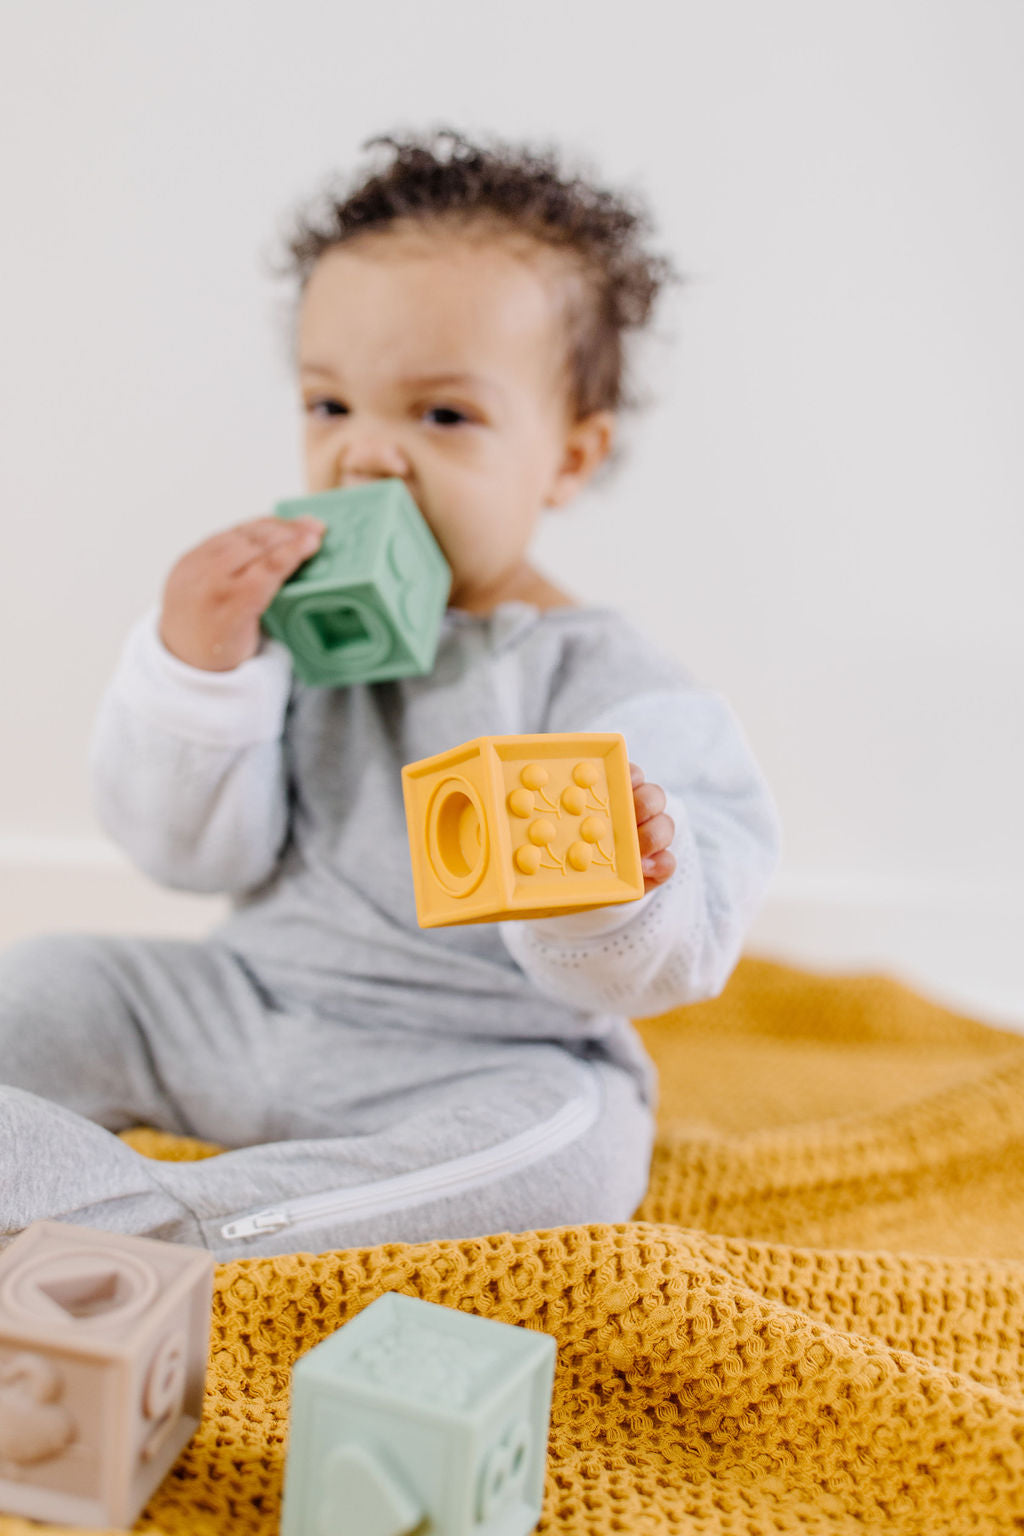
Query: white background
<point x="820" y="514"/>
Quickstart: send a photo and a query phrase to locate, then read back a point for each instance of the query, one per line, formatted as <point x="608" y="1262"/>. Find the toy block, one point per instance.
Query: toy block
<point x="415" y="1417"/>
<point x="103" y="1348"/>
<point x="522" y="826"/>
<point x="368" y="605"/>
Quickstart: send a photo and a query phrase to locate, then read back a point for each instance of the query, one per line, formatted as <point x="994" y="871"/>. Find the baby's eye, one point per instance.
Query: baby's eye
<point x="326" y="408"/>
<point x="446" y="415"/>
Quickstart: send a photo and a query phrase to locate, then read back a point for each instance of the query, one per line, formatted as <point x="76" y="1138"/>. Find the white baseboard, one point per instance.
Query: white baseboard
<point x="959" y="944"/>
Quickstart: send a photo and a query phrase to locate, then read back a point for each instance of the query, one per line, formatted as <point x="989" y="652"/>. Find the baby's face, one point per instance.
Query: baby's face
<point x="439" y="359"/>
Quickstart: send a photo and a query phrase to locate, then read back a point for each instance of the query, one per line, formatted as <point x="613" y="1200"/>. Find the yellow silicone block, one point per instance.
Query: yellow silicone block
<point x="522" y="826"/>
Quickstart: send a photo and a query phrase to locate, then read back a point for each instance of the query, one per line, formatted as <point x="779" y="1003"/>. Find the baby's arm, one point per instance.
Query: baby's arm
<point x="186" y="758"/>
<point x="681" y="941"/>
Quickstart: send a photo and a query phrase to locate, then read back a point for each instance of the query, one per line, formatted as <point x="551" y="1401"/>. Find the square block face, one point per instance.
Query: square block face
<point x="103" y="1348"/>
<point x="422" y="1408"/>
<point x="53" y="1410"/>
<point x="507" y="1476"/>
<point x="449" y="811"/>
<point x="368" y="605"/>
<point x="522" y="826"/>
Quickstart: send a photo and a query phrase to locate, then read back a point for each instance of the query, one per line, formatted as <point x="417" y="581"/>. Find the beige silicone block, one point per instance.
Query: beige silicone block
<point x="103" y="1347"/>
<point x="522" y="826"/>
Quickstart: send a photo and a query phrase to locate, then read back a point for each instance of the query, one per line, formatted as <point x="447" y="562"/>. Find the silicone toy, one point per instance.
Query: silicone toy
<point x="368" y="605"/>
<point x="522" y="826"/>
<point x="415" y="1417"/>
<point x="103" y="1347"/>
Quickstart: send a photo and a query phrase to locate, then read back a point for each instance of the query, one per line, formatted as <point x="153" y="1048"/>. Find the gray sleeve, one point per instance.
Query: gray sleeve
<point x="680" y="942"/>
<point x="187" y="767"/>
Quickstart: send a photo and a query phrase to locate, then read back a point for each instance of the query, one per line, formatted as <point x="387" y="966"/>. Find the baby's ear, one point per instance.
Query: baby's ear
<point x="588" y="443"/>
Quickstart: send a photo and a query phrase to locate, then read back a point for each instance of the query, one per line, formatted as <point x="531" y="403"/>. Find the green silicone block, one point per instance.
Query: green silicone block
<point x="369" y="604"/>
<point x="418" y="1416"/>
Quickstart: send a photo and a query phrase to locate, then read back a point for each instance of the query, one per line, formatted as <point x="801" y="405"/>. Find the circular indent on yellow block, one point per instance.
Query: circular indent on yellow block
<point x="585" y="774"/>
<point x="593" y="829"/>
<point x="520" y="802"/>
<point x="527" y="859"/>
<point x="534" y="775"/>
<point x="541" y="832"/>
<point x="573" y="799"/>
<point x="457" y="836"/>
<point x="579" y="855"/>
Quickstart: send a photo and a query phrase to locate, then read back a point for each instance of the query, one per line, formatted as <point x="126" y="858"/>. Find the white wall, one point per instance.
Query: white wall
<point x="821" y="516"/>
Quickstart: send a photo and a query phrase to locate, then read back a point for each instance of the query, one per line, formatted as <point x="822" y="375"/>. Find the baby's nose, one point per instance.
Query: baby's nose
<point x="366" y="454"/>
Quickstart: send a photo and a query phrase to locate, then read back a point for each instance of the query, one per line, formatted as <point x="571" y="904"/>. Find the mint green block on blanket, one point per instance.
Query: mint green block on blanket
<point x="368" y="605"/>
<point x="419" y="1418"/>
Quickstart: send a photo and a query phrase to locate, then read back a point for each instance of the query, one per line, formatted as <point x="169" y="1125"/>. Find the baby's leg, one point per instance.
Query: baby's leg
<point x="542" y="1140"/>
<point x="363" y="1135"/>
<point x="58" y="1166"/>
<point x="427" y="1139"/>
<point x="130" y="1031"/>
<point x="121" y="1031"/>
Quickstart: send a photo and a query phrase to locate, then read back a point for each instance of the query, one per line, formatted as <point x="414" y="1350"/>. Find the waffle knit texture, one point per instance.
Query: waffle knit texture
<point x="814" y="1325"/>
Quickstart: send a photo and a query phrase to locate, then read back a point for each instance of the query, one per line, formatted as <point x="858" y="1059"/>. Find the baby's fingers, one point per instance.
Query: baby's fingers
<point x="214" y="596"/>
<point x="657" y="868"/>
<point x="655" y="830"/>
<point x="265" y="559"/>
<point x="648" y="799"/>
<point x="270" y="542"/>
<point x="655" y="835"/>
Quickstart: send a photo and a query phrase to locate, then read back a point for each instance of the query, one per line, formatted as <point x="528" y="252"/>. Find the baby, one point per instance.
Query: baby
<point x="461" y="324"/>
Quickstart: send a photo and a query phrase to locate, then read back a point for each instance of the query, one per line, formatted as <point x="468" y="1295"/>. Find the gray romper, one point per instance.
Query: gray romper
<point x="373" y="1081"/>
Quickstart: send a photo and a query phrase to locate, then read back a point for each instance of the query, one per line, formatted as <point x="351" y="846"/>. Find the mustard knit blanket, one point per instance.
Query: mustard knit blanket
<point x="814" y="1325"/>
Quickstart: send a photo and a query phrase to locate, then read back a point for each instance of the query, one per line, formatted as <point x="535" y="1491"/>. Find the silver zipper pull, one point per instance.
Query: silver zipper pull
<point x="261" y="1221"/>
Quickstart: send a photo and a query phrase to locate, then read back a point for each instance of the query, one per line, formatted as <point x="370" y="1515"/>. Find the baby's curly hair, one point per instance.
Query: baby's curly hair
<point x="441" y="178"/>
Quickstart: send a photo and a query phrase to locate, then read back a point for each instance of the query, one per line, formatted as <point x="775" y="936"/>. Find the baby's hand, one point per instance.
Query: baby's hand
<point x="655" y="828"/>
<point x="215" y="594"/>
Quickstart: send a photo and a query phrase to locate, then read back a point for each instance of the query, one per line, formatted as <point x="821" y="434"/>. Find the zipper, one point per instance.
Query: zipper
<point x="424" y="1184"/>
